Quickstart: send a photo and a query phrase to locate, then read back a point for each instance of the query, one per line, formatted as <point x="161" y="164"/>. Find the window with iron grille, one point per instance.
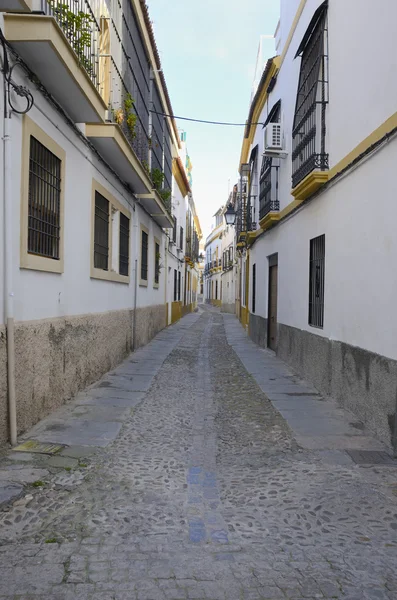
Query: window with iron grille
<point x="124" y="245"/>
<point x="44" y="209"/>
<point x="316" y="281"/>
<point x="101" y="232"/>
<point x="309" y="129"/>
<point x="181" y="238"/>
<point x="253" y="288"/>
<point x="144" y="255"/>
<point x="156" y="263"/>
<point x="179" y="286"/>
<point x="268" y="183"/>
<point x="174" y="231"/>
<point x="175" y="285"/>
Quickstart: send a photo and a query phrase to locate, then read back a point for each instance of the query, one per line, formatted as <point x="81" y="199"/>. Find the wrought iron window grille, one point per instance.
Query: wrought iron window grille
<point x="124" y="245"/>
<point x="101" y="232"/>
<point x="44" y="204"/>
<point x="317" y="281"/>
<point x="309" y="129"/>
<point x="144" y="255"/>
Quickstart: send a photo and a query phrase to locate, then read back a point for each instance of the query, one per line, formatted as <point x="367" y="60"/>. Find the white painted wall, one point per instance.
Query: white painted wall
<point x="43" y="295"/>
<point x="360" y="253"/>
<point x="362" y="61"/>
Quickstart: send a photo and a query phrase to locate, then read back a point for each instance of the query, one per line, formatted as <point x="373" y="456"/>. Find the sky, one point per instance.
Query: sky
<point x="208" y="51"/>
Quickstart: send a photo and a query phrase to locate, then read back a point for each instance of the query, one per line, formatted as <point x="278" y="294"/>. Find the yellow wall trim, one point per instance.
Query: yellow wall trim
<point x="370" y="140"/>
<point x="260" y="103"/>
<point x="114" y="205"/>
<point x="179" y="178"/>
<point x="269" y="220"/>
<point x="32" y="261"/>
<point x="41" y="28"/>
<point x="176" y="311"/>
<point x="309" y="185"/>
<point x="292" y="30"/>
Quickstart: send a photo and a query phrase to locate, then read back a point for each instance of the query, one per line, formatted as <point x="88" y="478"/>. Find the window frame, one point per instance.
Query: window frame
<point x="316" y="261"/>
<point x="156" y="284"/>
<point x="114" y="206"/>
<point x="144" y="282"/>
<point x="309" y="129"/>
<point x="34" y="261"/>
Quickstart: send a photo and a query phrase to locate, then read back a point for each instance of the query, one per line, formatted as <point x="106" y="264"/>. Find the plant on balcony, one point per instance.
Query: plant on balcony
<point x="130" y="116"/>
<point x="78" y="29"/>
<point x="118" y="115"/>
<point x="165" y="194"/>
<point x="125" y="114"/>
<point x="157" y="178"/>
<point x="145" y="165"/>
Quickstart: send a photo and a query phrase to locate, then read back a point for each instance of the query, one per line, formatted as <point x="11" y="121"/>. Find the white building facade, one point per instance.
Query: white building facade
<point x="87" y="201"/>
<point x="317" y="243"/>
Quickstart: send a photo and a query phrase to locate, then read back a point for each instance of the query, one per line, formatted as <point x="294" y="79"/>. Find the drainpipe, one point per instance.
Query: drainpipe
<point x="8" y="263"/>
<point x="135" y="298"/>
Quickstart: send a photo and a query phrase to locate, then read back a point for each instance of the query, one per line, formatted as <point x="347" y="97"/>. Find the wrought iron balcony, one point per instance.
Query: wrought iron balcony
<point x="268" y="196"/>
<point x="80" y="22"/>
<point x="133" y="123"/>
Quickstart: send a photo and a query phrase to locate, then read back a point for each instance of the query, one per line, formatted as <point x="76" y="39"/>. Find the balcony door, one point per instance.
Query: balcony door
<point x="272" y="303"/>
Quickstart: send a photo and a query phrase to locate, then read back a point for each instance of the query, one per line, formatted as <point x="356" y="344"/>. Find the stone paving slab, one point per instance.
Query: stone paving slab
<point x="204" y="494"/>
<point x="316" y="425"/>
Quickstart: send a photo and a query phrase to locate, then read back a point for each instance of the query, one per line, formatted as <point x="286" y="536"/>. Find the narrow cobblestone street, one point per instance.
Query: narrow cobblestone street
<point x="203" y="494"/>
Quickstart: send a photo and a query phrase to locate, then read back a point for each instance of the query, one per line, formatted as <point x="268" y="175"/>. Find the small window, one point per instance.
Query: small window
<point x="44" y="201"/>
<point x="101" y="232"/>
<point x="181" y="238"/>
<point x="253" y="288"/>
<point x="156" y="263"/>
<point x="316" y="281"/>
<point x="144" y="255"/>
<point x="124" y="249"/>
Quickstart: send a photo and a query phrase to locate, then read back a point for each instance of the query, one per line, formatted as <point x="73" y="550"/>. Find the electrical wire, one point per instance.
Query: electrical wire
<point x="203" y="121"/>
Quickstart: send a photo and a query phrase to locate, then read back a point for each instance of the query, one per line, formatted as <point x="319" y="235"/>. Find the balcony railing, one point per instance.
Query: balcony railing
<point x="123" y="112"/>
<point x="268" y="196"/>
<point x="78" y="20"/>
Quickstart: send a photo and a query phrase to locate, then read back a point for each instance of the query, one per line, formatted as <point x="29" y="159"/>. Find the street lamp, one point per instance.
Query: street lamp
<point x="230" y="215"/>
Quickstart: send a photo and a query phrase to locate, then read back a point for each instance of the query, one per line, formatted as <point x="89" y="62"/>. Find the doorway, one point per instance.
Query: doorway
<point x="272" y="303"/>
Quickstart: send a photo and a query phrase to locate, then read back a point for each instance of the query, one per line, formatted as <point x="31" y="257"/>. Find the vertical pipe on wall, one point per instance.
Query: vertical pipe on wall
<point x="8" y="282"/>
<point x="135" y="300"/>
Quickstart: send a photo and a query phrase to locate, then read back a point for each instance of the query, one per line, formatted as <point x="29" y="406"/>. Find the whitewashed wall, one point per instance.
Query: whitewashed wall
<point x="42" y="295"/>
<point x="360" y="251"/>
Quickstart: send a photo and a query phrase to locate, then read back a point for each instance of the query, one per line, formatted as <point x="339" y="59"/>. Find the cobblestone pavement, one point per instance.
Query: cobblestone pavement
<point x="204" y="494"/>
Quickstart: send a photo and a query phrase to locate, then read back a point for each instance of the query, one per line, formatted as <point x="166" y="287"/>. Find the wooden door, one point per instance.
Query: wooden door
<point x="272" y="309"/>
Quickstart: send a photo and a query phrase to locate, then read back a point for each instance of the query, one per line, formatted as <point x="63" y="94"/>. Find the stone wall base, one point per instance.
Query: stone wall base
<point x="258" y="330"/>
<point x="361" y="381"/>
<point x="56" y="358"/>
<point x="228" y="308"/>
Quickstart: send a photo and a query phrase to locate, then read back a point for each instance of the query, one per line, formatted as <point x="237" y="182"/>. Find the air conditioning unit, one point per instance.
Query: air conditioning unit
<point x="273" y="137"/>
